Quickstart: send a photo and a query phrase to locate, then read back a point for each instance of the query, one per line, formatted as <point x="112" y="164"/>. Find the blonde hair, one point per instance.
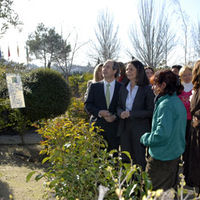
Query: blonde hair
<point x="183" y="69"/>
<point x="96" y="77"/>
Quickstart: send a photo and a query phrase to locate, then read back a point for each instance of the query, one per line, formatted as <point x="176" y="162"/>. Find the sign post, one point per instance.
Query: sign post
<point x="15" y="90"/>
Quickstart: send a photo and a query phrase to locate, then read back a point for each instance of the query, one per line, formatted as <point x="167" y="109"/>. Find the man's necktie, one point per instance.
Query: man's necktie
<point x="108" y="94"/>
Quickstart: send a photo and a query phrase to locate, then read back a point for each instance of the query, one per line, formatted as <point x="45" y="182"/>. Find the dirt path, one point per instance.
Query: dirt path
<point x="16" y="161"/>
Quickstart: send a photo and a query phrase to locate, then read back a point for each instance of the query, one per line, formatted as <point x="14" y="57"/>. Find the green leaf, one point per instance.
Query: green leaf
<point x="129" y="176"/>
<point x="52" y="184"/>
<point x="28" y="177"/>
<point x="112" y="152"/>
<point x="38" y="177"/>
<point x="45" y="159"/>
<point x="127" y="154"/>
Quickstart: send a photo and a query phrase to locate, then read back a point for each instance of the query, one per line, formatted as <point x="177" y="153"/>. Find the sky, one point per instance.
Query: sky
<point x="78" y="17"/>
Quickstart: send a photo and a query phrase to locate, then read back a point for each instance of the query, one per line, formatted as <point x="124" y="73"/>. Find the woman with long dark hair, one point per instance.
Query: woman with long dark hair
<point x="166" y="141"/>
<point x="135" y="110"/>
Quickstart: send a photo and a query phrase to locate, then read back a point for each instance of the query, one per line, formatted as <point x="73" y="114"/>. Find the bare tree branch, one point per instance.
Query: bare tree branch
<point x="196" y="38"/>
<point x="152" y="39"/>
<point x="107" y="45"/>
<point x="185" y="26"/>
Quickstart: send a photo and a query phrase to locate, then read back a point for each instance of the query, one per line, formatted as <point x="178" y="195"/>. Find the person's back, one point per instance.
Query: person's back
<point x="173" y="144"/>
<point x="166" y="141"/>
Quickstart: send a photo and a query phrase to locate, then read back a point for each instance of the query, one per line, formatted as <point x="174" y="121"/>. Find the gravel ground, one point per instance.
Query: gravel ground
<point x="16" y="161"/>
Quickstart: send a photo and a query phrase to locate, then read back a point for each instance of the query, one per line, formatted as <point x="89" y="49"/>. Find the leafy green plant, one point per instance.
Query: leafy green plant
<point x="74" y="82"/>
<point x="76" y="111"/>
<point x="79" y="163"/>
<point x="77" y="160"/>
<point x="83" y="85"/>
<point x="3" y="85"/>
<point x="12" y="119"/>
<point x="78" y="84"/>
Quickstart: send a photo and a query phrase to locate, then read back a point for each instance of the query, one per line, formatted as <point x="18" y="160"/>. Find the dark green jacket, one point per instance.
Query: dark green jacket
<point x="167" y="138"/>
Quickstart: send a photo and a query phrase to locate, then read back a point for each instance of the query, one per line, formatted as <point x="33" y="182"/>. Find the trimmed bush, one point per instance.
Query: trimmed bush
<point x="46" y="94"/>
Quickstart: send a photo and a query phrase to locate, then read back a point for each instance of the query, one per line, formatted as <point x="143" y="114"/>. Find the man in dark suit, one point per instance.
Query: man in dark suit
<point x="101" y="103"/>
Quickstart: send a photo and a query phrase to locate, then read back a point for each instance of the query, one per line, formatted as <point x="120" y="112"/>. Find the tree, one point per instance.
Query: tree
<point x="196" y="38"/>
<point x="7" y="16"/>
<point x="152" y="39"/>
<point x="65" y="57"/>
<point x="45" y="44"/>
<point x="52" y="48"/>
<point x="107" y="45"/>
<point x="184" y="20"/>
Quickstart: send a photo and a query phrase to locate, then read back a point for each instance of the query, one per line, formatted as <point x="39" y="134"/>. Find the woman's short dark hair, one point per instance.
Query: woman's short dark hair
<point x="151" y="68"/>
<point x="122" y="68"/>
<point x="173" y="83"/>
<point x="177" y="67"/>
<point x="142" y="79"/>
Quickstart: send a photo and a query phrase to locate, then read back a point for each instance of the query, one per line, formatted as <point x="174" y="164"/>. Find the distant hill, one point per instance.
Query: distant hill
<point x="76" y="69"/>
<point x="81" y="69"/>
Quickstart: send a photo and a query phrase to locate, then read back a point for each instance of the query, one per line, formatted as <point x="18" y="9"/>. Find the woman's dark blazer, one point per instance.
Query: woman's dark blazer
<point x="142" y="110"/>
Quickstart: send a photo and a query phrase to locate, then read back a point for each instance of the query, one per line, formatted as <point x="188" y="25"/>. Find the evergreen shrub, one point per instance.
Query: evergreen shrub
<point x="46" y="94"/>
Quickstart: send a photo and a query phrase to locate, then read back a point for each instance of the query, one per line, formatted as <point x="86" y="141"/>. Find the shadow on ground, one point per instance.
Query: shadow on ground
<point x="21" y="155"/>
<point x="5" y="191"/>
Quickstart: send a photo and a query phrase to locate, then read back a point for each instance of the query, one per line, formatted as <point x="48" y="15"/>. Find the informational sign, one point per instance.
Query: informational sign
<point x="15" y="90"/>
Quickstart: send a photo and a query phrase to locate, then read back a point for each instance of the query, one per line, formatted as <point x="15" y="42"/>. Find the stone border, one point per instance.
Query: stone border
<point x="29" y="138"/>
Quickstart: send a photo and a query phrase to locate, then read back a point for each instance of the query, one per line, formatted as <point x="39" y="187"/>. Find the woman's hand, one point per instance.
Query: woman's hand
<point x="125" y="114"/>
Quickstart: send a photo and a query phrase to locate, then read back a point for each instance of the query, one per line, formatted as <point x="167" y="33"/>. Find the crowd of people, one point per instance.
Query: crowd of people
<point x="155" y="116"/>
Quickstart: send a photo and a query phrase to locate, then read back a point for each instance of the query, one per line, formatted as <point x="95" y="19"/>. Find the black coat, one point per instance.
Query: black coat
<point x="192" y="152"/>
<point x="96" y="101"/>
<point x="139" y="122"/>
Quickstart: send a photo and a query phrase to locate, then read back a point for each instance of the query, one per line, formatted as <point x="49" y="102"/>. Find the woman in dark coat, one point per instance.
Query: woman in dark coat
<point x="135" y="109"/>
<point x="192" y="162"/>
